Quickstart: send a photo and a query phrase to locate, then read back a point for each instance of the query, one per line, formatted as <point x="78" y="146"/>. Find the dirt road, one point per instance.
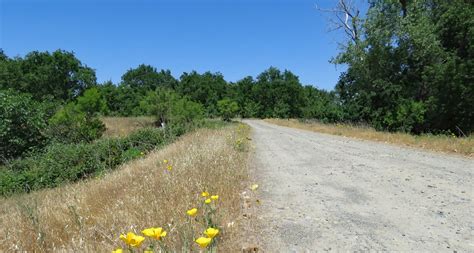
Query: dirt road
<point x="321" y="192"/>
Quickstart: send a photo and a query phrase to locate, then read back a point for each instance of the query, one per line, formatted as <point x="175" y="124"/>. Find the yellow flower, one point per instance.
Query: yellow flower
<point x="205" y="194"/>
<point x="169" y="168"/>
<point x="211" y="232"/>
<point x="207" y="201"/>
<point x="254" y="187"/>
<point x="165" y="161"/>
<point x="215" y="197"/>
<point x="141" y="153"/>
<point x="117" y="251"/>
<point x="148" y="251"/>
<point x="132" y="239"/>
<point x="192" y="212"/>
<point x="203" y="241"/>
<point x="156" y="233"/>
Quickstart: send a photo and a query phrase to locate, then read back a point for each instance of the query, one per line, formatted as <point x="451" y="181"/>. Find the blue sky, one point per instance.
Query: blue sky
<point x="236" y="38"/>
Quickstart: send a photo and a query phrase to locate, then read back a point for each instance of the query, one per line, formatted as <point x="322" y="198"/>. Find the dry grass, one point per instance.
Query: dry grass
<point x="122" y="126"/>
<point x="89" y="216"/>
<point x="463" y="146"/>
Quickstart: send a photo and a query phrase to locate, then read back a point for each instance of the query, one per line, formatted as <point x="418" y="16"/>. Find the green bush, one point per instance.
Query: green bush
<point x="92" y="102"/>
<point x="78" y="121"/>
<point x="227" y="108"/>
<point x="178" y="113"/>
<point x="71" y="125"/>
<point x="21" y="122"/>
<point x="61" y="163"/>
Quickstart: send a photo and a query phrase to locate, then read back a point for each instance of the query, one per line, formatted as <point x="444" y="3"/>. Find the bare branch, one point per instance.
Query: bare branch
<point x="345" y="16"/>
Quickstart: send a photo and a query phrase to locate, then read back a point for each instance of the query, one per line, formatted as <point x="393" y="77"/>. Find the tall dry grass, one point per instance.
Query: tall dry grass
<point x="440" y="143"/>
<point x="122" y="126"/>
<point x="89" y="216"/>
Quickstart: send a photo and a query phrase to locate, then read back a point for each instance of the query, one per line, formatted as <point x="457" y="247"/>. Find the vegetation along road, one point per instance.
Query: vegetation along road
<point x="324" y="192"/>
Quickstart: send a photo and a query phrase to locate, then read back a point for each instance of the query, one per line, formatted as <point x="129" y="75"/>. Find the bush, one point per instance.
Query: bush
<point x="178" y="113"/>
<point x="92" y="103"/>
<point x="21" y="122"/>
<point x="61" y="163"/>
<point x="227" y="109"/>
<point x="78" y="121"/>
<point x="71" y="125"/>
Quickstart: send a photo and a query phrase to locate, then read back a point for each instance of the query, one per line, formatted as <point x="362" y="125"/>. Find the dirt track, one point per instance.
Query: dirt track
<point x="321" y="192"/>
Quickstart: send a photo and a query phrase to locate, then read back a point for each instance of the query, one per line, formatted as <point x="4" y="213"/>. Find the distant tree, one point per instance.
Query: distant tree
<point x="244" y="95"/>
<point x="110" y="93"/>
<point x="92" y="102"/>
<point x="58" y="75"/>
<point x="176" y="112"/>
<point x="206" y="89"/>
<point x="147" y="78"/>
<point x="227" y="109"/>
<point x="78" y="120"/>
<point x="280" y="90"/>
<point x="321" y="105"/>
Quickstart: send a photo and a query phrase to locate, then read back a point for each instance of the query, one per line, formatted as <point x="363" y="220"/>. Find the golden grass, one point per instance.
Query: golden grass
<point x="122" y="126"/>
<point x="89" y="216"/>
<point x="440" y="143"/>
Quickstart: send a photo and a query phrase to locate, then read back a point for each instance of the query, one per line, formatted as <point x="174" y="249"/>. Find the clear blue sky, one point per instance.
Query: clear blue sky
<point x="236" y="38"/>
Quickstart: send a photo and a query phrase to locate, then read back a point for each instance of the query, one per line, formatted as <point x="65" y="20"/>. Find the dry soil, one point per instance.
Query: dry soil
<point x="329" y="193"/>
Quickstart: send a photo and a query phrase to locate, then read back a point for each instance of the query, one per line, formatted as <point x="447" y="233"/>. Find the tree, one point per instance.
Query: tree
<point x="411" y="68"/>
<point x="275" y="88"/>
<point x="92" y="102"/>
<point x="206" y="89"/>
<point x="345" y="16"/>
<point x="58" y="75"/>
<point x="78" y="121"/>
<point x="147" y="78"/>
<point x="227" y="109"/>
<point x="22" y="121"/>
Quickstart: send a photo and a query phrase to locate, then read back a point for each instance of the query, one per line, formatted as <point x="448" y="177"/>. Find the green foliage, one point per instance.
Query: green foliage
<point x="146" y="78"/>
<point x="78" y="121"/>
<point x="92" y="103"/>
<point x="71" y="125"/>
<point x="321" y="105"/>
<point x="227" y="109"/>
<point x="279" y="94"/>
<point x="411" y="70"/>
<point x="21" y="123"/>
<point x="62" y="163"/>
<point x="178" y="113"/>
<point x="58" y="75"/>
<point x="205" y="89"/>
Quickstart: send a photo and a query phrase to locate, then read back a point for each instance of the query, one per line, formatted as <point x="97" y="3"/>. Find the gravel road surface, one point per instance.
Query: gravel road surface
<point x="329" y="193"/>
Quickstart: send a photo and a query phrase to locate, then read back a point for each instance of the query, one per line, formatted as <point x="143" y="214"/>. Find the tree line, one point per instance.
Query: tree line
<point x="60" y="77"/>
<point x="410" y="68"/>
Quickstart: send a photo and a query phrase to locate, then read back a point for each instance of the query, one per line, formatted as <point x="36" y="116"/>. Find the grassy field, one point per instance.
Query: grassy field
<point x="440" y="143"/>
<point x="91" y="215"/>
<point x="122" y="126"/>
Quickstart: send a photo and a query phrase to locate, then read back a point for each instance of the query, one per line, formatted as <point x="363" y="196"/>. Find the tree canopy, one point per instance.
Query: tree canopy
<point x="412" y="67"/>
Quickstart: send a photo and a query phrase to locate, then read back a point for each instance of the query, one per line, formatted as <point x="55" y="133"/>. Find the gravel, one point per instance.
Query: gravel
<point x="330" y="193"/>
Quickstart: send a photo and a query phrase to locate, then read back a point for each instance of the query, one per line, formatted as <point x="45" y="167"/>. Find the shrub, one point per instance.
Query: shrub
<point x="78" y="121"/>
<point x="92" y="102"/>
<point x="21" y="122"/>
<point x="227" y="109"/>
<point x="61" y="163"/>
<point x="179" y="113"/>
<point x="71" y="125"/>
